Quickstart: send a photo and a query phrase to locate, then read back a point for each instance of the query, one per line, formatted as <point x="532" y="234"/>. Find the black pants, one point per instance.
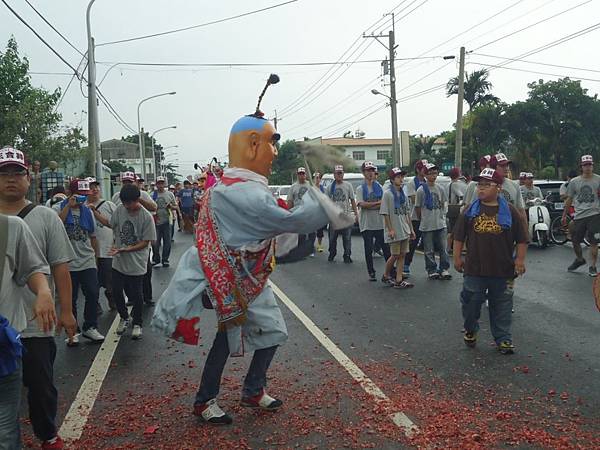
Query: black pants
<point x="105" y="278"/>
<point x="163" y="235"/>
<point x="256" y="378"/>
<point x="413" y="244"/>
<point x="132" y="285"/>
<point x="346" y="234"/>
<point x="88" y="280"/>
<point x="147" y="284"/>
<point x="38" y="378"/>
<point x="368" y="237"/>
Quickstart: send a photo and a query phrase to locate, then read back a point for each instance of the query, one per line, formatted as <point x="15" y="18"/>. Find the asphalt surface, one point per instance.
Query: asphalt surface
<point x="408" y="342"/>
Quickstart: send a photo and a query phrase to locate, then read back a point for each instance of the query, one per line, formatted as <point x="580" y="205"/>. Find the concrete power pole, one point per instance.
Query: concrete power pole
<point x="93" y="129"/>
<point x="459" y="110"/>
<point x="396" y="153"/>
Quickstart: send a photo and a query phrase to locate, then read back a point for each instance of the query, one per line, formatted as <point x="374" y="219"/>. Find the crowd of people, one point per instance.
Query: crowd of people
<point x="78" y="240"/>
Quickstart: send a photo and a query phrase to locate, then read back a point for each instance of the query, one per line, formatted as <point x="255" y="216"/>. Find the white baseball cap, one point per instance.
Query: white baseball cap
<point x="587" y="159"/>
<point x="301" y="170"/>
<point x="11" y="156"/>
<point x="159" y="179"/>
<point x="338" y="168"/>
<point x="128" y="176"/>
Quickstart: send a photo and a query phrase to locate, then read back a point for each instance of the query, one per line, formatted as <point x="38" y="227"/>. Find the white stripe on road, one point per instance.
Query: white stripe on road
<point x="81" y="408"/>
<point x="399" y="418"/>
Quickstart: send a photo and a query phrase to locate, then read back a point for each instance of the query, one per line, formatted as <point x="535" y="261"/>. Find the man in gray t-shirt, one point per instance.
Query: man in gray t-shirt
<point x="430" y="205"/>
<point x="582" y="193"/>
<point x="306" y="242"/>
<point x="165" y="202"/>
<point x="79" y="222"/>
<point x="133" y="231"/>
<point x="369" y="195"/>
<point x="342" y="194"/>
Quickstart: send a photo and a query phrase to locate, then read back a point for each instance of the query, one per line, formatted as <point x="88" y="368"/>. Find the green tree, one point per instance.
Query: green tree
<point x="170" y="171"/>
<point x="118" y="166"/>
<point x="477" y="88"/>
<point x="28" y="117"/>
<point x="286" y="163"/>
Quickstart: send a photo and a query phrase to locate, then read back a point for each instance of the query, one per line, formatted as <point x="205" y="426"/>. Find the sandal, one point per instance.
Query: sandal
<point x="404" y="285"/>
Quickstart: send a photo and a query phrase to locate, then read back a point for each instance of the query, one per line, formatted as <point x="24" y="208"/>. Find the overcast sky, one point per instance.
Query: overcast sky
<point x="209" y="100"/>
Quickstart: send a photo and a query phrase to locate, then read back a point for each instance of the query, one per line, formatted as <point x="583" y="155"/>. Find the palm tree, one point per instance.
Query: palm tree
<point x="477" y="88"/>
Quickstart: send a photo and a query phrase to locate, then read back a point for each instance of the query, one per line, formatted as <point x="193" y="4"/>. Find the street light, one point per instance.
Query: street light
<point x="156" y="172"/>
<point x="141" y="130"/>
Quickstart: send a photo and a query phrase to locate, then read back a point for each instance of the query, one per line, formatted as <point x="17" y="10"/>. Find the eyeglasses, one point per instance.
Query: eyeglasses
<point x="14" y="173"/>
<point x="486" y="185"/>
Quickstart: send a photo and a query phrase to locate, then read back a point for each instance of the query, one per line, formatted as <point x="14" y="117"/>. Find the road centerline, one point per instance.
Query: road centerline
<point x="399" y="418"/>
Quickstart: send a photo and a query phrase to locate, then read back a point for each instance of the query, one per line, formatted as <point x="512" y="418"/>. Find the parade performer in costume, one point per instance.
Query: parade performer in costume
<point x="229" y="269"/>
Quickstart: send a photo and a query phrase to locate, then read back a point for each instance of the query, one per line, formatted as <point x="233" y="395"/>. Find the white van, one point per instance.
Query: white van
<point x="356" y="179"/>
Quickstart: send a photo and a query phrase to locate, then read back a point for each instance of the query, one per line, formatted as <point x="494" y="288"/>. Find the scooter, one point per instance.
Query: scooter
<point x="539" y="222"/>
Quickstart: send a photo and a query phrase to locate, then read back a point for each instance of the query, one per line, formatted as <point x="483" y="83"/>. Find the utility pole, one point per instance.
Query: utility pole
<point x="93" y="129"/>
<point x="275" y="120"/>
<point x="459" y="110"/>
<point x="391" y="47"/>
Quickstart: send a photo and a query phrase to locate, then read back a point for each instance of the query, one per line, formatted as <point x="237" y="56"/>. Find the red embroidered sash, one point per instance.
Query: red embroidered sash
<point x="234" y="278"/>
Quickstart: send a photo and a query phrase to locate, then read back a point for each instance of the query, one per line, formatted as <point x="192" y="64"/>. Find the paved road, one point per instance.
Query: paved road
<point x="408" y="343"/>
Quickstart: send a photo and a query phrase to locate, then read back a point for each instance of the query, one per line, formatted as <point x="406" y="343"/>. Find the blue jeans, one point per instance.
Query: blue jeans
<point x="435" y="241"/>
<point x="10" y="402"/>
<point x="346" y="234"/>
<point x="256" y="378"/>
<point x="163" y="233"/>
<point x="500" y="301"/>
<point x="88" y="280"/>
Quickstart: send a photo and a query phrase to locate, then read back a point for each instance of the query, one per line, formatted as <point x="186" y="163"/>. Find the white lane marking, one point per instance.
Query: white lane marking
<point x="399" y="418"/>
<point x="81" y="408"/>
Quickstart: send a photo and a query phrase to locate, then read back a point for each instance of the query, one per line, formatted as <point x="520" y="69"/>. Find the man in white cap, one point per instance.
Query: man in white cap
<point x="297" y="191"/>
<point x="50" y="236"/>
<point x="528" y="190"/>
<point x="165" y="202"/>
<point x="583" y="193"/>
<point x="342" y="194"/>
<point x="369" y="195"/>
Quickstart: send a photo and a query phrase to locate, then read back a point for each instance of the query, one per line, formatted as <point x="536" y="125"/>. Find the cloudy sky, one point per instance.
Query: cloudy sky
<point x="311" y="100"/>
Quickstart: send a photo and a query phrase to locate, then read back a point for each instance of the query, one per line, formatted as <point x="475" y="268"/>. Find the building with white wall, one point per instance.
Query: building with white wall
<point x="361" y="149"/>
<point x="129" y="154"/>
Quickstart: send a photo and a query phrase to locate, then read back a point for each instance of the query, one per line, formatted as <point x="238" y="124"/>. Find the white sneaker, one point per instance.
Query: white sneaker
<point x="122" y="327"/>
<point x="93" y="335"/>
<point x="446" y="275"/>
<point x="137" y="332"/>
<point x="73" y="342"/>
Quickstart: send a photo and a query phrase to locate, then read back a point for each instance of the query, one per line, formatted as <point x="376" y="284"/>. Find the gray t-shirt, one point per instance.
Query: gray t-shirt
<point x="85" y="256"/>
<point x="129" y="229"/>
<point x="470" y="193"/>
<point x="342" y="195"/>
<point x="23" y="258"/>
<point x="52" y="239"/>
<point x="368" y="219"/>
<point x="104" y="235"/>
<point x="432" y="219"/>
<point x="411" y="191"/>
<point x="562" y="190"/>
<point x="297" y="191"/>
<point x="584" y="192"/>
<point x="163" y="200"/>
<point x="456" y="192"/>
<point x="399" y="217"/>
<point x="531" y="194"/>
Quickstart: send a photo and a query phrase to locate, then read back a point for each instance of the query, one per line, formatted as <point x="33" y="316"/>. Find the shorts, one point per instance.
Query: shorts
<point x="451" y="223"/>
<point x="399" y="247"/>
<point x="586" y="227"/>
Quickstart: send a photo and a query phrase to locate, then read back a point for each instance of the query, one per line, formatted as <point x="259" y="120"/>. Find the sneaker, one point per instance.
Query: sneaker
<point x="592" y="272"/>
<point x="56" y="443"/>
<point x="156" y="265"/>
<point x="93" y="335"/>
<point x="470" y="339"/>
<point x="506" y="347"/>
<point x="312" y="255"/>
<point x="73" y="342"/>
<point x="403" y="285"/>
<point x="137" y="332"/>
<point x="433" y="276"/>
<point x="348" y="260"/>
<point x="445" y="275"/>
<point x="576" y="264"/>
<point x="262" y="401"/>
<point x="122" y="327"/>
<point x="165" y="264"/>
<point x="387" y="280"/>
<point x="372" y="277"/>
<point x="210" y="412"/>
<point x="378" y="252"/>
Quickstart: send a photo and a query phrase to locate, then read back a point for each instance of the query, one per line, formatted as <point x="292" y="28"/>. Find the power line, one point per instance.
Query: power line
<point x="213" y="22"/>
<point x="538" y="63"/>
<point x="52" y="26"/>
<point x="336" y="124"/>
<point x="532" y="25"/>
<point x="339" y="130"/>
<point x="51" y="73"/>
<point x="535" y="71"/>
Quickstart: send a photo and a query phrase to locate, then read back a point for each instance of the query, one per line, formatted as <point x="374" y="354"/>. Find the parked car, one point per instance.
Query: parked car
<point x="550" y="191"/>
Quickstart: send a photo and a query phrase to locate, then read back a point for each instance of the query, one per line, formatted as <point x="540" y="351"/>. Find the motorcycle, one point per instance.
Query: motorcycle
<point x="539" y="222"/>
